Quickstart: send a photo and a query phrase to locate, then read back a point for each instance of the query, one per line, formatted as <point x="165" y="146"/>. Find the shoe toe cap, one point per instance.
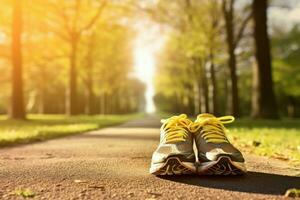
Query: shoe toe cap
<point x="215" y="154"/>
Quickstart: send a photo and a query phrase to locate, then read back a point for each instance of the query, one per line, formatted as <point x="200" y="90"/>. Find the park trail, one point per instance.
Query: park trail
<point x="113" y="163"/>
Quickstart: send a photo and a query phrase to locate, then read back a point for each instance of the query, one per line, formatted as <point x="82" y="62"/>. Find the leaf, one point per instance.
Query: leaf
<point x="26" y="193"/>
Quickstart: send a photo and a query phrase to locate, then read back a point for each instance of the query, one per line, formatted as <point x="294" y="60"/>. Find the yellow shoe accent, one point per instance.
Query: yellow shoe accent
<point x="175" y="128"/>
<point x="174" y="154"/>
<point x="212" y="128"/>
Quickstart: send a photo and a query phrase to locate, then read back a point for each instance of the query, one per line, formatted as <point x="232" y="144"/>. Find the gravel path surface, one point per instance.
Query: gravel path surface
<point x="113" y="163"/>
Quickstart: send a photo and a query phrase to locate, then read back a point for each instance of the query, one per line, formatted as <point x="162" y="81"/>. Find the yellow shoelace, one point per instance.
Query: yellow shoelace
<point x="175" y="128"/>
<point x="212" y="128"/>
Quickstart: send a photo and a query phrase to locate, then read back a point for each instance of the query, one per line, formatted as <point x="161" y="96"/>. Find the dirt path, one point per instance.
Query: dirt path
<point x="113" y="163"/>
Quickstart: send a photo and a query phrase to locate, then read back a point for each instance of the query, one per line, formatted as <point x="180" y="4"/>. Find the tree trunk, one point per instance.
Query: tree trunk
<point x="107" y="103"/>
<point x="72" y="90"/>
<point x="227" y="91"/>
<point x="202" y="82"/>
<point x="264" y="101"/>
<point x="113" y="102"/>
<point x="228" y="94"/>
<point x="17" y="99"/>
<point x="42" y="103"/>
<point x="197" y="99"/>
<point x="90" y="79"/>
<point x="191" y="105"/>
<point x="102" y="104"/>
<point x="42" y="90"/>
<point x="90" y="99"/>
<point x="234" y="84"/>
<point x="205" y="96"/>
<point x="291" y="107"/>
<point x="255" y="88"/>
<point x="229" y="25"/>
<point x="178" y="103"/>
<point x="214" y="87"/>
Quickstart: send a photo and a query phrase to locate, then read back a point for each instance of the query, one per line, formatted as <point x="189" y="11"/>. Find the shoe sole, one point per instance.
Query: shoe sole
<point x="223" y="166"/>
<point x="173" y="166"/>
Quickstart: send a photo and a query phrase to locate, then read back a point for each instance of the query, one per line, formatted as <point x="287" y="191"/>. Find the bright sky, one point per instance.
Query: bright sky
<point x="285" y="17"/>
<point x="148" y="42"/>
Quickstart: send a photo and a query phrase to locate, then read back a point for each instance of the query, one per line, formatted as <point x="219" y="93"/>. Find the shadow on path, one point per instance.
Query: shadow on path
<point x="253" y="182"/>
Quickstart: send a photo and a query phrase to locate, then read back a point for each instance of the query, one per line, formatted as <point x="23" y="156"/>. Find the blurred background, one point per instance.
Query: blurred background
<point x="75" y="66"/>
<point x="238" y="57"/>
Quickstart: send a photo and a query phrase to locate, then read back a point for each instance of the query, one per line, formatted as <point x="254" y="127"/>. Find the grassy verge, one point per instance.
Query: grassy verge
<point x="272" y="138"/>
<point x="44" y="127"/>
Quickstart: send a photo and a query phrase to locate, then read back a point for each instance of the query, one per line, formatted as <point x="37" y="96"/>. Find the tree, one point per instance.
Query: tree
<point x="213" y="38"/>
<point x="263" y="102"/>
<point x="286" y="69"/>
<point x="233" y="38"/>
<point x="56" y="34"/>
<point x="106" y="78"/>
<point x="89" y="80"/>
<point x="73" y="28"/>
<point x="17" y="103"/>
<point x="196" y="28"/>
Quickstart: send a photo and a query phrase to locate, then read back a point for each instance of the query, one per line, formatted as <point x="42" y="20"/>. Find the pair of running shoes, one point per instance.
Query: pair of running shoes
<point x="179" y="140"/>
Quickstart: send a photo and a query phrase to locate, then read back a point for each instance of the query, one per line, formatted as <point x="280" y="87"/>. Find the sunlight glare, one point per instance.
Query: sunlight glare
<point x="147" y="44"/>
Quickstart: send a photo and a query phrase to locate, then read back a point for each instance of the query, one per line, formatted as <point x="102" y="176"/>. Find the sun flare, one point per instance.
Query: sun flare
<point x="147" y="45"/>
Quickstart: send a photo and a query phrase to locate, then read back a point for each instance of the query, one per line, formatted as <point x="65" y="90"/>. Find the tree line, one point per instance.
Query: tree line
<point x="72" y="57"/>
<point x="218" y="59"/>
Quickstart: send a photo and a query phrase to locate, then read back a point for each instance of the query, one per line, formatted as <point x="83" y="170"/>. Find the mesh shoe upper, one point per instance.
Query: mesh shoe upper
<point x="211" y="140"/>
<point x="175" y="140"/>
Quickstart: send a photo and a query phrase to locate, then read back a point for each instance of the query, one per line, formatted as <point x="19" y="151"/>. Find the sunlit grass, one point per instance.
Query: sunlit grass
<point x="272" y="138"/>
<point x="43" y="127"/>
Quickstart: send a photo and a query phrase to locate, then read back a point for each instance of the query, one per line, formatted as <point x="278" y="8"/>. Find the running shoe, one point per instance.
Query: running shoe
<point x="174" y="155"/>
<point x="216" y="155"/>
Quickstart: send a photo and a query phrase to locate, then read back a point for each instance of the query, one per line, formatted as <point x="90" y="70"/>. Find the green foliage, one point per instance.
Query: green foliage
<point x="111" y="56"/>
<point x="286" y="51"/>
<point x="286" y="70"/>
<point x="196" y="30"/>
<point x="104" y="55"/>
<point x="184" y="61"/>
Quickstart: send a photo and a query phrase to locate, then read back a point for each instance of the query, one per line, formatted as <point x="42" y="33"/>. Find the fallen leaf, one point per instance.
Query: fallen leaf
<point x="25" y="193"/>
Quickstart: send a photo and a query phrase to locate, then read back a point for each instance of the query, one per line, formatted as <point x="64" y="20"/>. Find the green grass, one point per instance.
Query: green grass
<point x="279" y="139"/>
<point x="44" y="127"/>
